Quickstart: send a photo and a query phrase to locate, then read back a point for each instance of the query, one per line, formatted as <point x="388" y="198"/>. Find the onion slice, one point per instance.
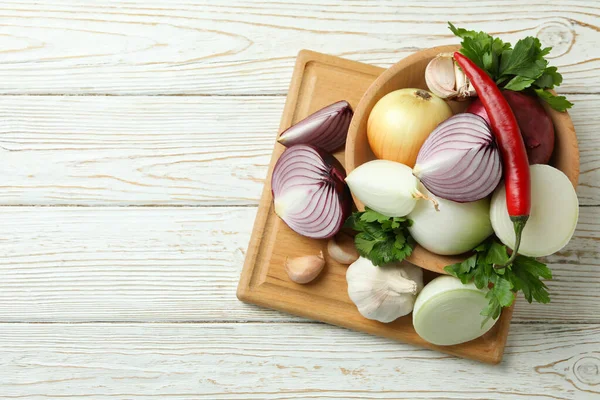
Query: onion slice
<point x="553" y="218"/>
<point x="309" y="192"/>
<point x="447" y="312"/>
<point x="326" y="128"/>
<point x="460" y="161"/>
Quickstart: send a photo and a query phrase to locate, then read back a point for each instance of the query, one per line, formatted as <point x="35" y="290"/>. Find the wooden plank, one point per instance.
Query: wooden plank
<point x="291" y="361"/>
<point x="78" y="264"/>
<point x="249" y="47"/>
<point x="135" y="150"/>
<point x="170" y="150"/>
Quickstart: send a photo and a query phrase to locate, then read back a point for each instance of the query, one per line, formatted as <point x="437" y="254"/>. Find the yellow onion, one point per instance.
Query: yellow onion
<point x="401" y="121"/>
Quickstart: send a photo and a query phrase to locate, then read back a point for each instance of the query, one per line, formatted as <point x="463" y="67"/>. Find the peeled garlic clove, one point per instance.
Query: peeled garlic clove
<point x="304" y="269"/>
<point x="342" y="249"/>
<point x="440" y="76"/>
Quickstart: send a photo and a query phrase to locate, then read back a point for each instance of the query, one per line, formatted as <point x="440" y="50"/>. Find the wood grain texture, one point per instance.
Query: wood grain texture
<point x="135" y="150"/>
<point x="291" y="361"/>
<point x="107" y="150"/>
<point x="181" y="264"/>
<point x="241" y="47"/>
<point x="78" y="264"/>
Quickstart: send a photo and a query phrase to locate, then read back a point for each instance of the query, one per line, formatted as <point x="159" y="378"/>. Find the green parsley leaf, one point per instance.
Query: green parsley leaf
<point x="464" y="270"/>
<point x="381" y="239"/>
<point x="492" y="310"/>
<point x="518" y="83"/>
<point x="481" y="277"/>
<point x="502" y="290"/>
<point x="524" y="274"/>
<point x="371" y="216"/>
<point x="559" y="103"/>
<point x="526" y="59"/>
<point x="364" y="243"/>
<point x="496" y="254"/>
<point x="519" y="68"/>
<point x="549" y="79"/>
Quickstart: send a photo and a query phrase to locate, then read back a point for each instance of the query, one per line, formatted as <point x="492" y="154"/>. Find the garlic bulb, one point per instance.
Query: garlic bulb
<point x="385" y="186"/>
<point x="383" y="293"/>
<point x="446" y="80"/>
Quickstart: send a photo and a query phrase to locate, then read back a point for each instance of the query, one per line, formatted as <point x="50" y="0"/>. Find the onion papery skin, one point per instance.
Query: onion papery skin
<point x="309" y="191"/>
<point x="326" y="128"/>
<point x="460" y="160"/>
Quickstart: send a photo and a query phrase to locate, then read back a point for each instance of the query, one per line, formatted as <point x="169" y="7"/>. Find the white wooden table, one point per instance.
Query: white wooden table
<point x="134" y="141"/>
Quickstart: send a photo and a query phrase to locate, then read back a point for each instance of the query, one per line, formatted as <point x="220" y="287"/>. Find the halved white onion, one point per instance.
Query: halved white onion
<point x="553" y="216"/>
<point x="452" y="229"/>
<point x="447" y="312"/>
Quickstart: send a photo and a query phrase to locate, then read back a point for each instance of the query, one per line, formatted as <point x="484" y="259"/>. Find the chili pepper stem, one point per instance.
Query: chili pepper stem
<point x="518" y="223"/>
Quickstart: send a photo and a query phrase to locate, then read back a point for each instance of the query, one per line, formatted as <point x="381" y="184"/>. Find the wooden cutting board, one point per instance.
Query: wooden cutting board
<point x="320" y="80"/>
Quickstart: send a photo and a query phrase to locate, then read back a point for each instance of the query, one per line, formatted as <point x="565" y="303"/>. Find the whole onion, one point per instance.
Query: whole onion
<point x="401" y="121"/>
<point x="326" y="128"/>
<point x="535" y="124"/>
<point x="309" y="192"/>
<point x="460" y="161"/>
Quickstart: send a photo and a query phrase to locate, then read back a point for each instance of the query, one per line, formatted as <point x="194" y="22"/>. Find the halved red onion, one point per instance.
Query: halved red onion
<point x="326" y="128"/>
<point x="309" y="191"/>
<point x="460" y="161"/>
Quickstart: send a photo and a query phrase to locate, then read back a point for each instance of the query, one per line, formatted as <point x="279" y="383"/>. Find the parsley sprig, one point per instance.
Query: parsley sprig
<point x="381" y="239"/>
<point x="522" y="275"/>
<point x="384" y="239"/>
<point x="520" y="68"/>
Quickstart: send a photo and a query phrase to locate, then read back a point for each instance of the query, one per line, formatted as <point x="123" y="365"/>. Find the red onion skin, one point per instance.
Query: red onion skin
<point x="535" y="124"/>
<point x="476" y="107"/>
<point x="326" y="128"/>
<point x="334" y="176"/>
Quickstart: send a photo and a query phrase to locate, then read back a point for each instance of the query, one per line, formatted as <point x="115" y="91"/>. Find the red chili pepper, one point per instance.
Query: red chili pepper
<point x="508" y="136"/>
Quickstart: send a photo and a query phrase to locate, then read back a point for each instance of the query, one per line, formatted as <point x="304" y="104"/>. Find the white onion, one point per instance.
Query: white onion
<point x="454" y="229"/>
<point x="553" y="216"/>
<point x="385" y="186"/>
<point x="447" y="312"/>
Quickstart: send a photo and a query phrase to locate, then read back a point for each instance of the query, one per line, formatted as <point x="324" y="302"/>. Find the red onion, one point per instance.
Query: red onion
<point x="459" y="161"/>
<point x="326" y="128"/>
<point x="535" y="124"/>
<point x="309" y="191"/>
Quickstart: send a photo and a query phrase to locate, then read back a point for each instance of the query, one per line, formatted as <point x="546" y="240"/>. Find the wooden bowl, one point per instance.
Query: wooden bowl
<point x="410" y="73"/>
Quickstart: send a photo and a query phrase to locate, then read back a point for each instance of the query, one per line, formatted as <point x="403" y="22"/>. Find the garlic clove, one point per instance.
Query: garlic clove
<point x="464" y="88"/>
<point x="342" y="249"/>
<point x="441" y="77"/>
<point x="304" y="269"/>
